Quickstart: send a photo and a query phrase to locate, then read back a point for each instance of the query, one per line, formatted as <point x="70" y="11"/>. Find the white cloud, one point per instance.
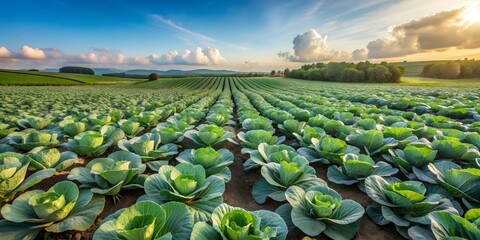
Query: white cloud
<point x="437" y="32"/>
<point x="112" y="58"/>
<point x="4" y="52"/>
<point x="31" y="53"/>
<point x="311" y="47"/>
<point x="138" y="60"/>
<point x="360" y="54"/>
<point x="119" y="58"/>
<point x="88" y="58"/>
<point x="198" y="56"/>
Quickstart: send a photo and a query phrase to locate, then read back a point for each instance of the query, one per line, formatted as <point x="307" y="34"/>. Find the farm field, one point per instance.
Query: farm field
<point x="332" y="160"/>
<point x="18" y="77"/>
<point x="414" y="69"/>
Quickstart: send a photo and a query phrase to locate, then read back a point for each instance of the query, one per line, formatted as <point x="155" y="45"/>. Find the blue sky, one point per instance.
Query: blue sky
<point x="240" y="35"/>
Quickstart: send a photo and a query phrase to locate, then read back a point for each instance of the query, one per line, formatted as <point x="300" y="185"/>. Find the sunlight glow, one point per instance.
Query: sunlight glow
<point x="471" y="15"/>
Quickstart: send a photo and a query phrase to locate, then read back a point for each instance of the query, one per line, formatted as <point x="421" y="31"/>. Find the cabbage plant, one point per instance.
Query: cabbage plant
<point x="61" y="208"/>
<point x="147" y="118"/>
<point x="220" y="119"/>
<point x="37" y="123"/>
<point x="186" y="183"/>
<point x="472" y="138"/>
<point x="356" y="168"/>
<point x="278" y="177"/>
<point x="291" y="126"/>
<point x="367" y="124"/>
<point x="305" y="138"/>
<point x="149" y="148"/>
<point x="251" y="139"/>
<point x="371" y="141"/>
<point x="456" y="150"/>
<point x="147" y="220"/>
<point x="177" y="124"/>
<point x="108" y="176"/>
<point x="43" y="158"/>
<point x="236" y="223"/>
<point x="169" y="135"/>
<point x="209" y="136"/>
<point x="13" y="170"/>
<point x="131" y="128"/>
<point x="329" y="125"/>
<point x="460" y="183"/>
<point x="403" y="135"/>
<point x="215" y="162"/>
<point x="5" y="129"/>
<point x="266" y="153"/>
<point x="99" y="120"/>
<point x="89" y="144"/>
<point x="74" y="128"/>
<point x="412" y="160"/>
<point x="446" y="225"/>
<point x="405" y="204"/>
<point x="258" y="123"/>
<point x="320" y="209"/>
<point x="112" y="133"/>
<point x="30" y="139"/>
<point x="327" y="150"/>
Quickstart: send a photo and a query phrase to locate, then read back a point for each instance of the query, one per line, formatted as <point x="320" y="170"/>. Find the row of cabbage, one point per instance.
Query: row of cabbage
<point x="438" y="168"/>
<point x="311" y="205"/>
<point x="106" y="176"/>
<point x="180" y="201"/>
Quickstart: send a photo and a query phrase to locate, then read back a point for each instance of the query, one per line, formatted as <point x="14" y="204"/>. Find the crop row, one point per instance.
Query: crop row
<point x="418" y="161"/>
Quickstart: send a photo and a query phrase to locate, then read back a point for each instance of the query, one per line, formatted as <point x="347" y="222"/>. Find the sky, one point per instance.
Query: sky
<point x="250" y="35"/>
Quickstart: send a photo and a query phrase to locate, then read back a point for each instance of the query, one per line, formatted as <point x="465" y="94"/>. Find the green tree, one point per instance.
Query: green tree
<point x="152" y="76"/>
<point x="79" y="70"/>
<point x="352" y="75"/>
<point x="272" y="73"/>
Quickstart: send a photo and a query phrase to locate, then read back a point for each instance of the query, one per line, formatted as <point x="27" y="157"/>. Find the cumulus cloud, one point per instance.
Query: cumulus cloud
<point x="52" y="53"/>
<point x="110" y="57"/>
<point x="198" y="56"/>
<point x="311" y="47"/>
<point x="360" y="54"/>
<point x="31" y="53"/>
<point x="437" y="32"/>
<point x="4" y="52"/>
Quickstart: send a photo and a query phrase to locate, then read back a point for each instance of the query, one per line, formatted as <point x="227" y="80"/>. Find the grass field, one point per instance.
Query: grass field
<point x="16" y="77"/>
<point x="414" y="69"/>
<point x="446" y="83"/>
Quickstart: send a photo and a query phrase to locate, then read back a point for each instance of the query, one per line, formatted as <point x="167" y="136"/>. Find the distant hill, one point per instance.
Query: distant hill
<point x="98" y="71"/>
<point x="175" y="72"/>
<point x="172" y="72"/>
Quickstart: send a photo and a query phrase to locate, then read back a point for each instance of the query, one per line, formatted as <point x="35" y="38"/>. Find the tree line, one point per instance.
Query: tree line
<point x="467" y="68"/>
<point x="79" y="70"/>
<point x="348" y="72"/>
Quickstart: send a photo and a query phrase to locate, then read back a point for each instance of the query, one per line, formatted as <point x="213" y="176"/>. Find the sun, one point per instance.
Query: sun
<point x="471" y="15"/>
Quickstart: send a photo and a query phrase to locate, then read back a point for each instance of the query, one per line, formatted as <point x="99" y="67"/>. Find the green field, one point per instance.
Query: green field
<point x="445" y="83"/>
<point x="414" y="69"/>
<point x="251" y="143"/>
<point x="17" y="77"/>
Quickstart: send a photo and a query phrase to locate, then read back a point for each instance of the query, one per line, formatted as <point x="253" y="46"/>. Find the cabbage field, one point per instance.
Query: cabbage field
<point x="239" y="158"/>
